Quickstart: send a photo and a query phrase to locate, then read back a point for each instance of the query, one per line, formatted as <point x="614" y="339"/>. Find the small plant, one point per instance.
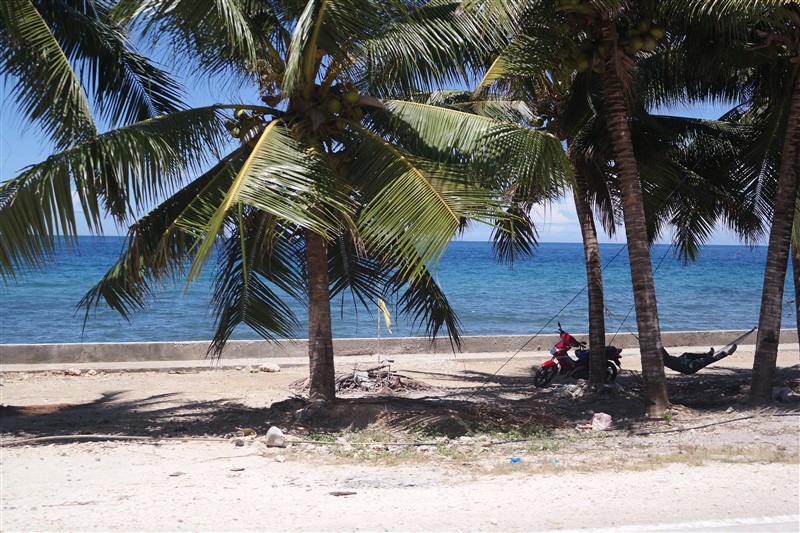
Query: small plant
<point x="668" y="416"/>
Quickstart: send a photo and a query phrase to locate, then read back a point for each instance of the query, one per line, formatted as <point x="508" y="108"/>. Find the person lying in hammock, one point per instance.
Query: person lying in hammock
<point x="689" y="363"/>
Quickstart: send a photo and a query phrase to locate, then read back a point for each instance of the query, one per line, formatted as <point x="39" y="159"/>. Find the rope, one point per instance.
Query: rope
<point x="634" y="303"/>
<point x="623" y="247"/>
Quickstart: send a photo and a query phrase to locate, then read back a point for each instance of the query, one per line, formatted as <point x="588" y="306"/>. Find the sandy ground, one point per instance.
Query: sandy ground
<point x="712" y="464"/>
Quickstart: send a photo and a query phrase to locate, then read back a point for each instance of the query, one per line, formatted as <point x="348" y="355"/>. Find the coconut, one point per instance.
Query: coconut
<point x="649" y="44"/>
<point x="636" y="44"/>
<point x="240" y="113"/>
<point x="657" y="33"/>
<point x="333" y="106"/>
<point x="351" y="97"/>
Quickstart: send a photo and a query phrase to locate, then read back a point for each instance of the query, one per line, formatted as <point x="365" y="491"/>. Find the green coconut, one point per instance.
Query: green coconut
<point x="649" y="44"/>
<point x="351" y="97"/>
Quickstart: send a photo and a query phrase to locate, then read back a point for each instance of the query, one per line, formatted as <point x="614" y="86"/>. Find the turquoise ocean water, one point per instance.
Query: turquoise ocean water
<point x="720" y="291"/>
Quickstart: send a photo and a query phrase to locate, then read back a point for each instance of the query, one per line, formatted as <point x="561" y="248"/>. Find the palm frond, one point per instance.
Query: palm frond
<point x="302" y="52"/>
<point x="45" y="87"/>
<point x="243" y="296"/>
<point x="128" y="168"/>
<point x="433" y="44"/>
<point x="515" y="237"/>
<point x="502" y="150"/>
<point x="214" y="36"/>
<point x="526" y="55"/>
<point x="157" y="246"/>
<point x="424" y="303"/>
<point x="414" y="203"/>
<point x="282" y="177"/>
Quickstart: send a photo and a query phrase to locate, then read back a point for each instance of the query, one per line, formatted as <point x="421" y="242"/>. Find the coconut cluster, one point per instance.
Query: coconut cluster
<point x="245" y="125"/>
<point x="593" y="54"/>
<point x="643" y="37"/>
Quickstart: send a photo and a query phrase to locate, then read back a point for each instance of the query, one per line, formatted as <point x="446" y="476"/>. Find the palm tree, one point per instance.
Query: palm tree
<point x="762" y="72"/>
<point x="67" y="64"/>
<point x="328" y="189"/>
<point x="677" y="157"/>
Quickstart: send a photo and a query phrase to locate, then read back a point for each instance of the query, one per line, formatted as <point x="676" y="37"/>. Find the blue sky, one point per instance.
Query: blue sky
<point x="21" y="146"/>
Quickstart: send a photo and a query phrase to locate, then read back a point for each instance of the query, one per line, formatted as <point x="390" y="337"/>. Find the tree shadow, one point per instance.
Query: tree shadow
<point x="721" y="388"/>
<point x="158" y="416"/>
<point x="486" y="402"/>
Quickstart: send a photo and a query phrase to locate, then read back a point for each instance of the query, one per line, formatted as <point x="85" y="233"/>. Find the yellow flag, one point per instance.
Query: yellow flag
<point x="386" y="316"/>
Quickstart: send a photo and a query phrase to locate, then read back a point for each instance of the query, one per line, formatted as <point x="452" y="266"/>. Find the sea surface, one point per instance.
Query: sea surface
<point x="722" y="290"/>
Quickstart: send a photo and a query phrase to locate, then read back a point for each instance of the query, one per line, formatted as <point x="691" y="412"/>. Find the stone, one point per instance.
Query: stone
<point x="73" y="372"/>
<point x="275" y="437"/>
<point x="270" y="367"/>
<point x="781" y="394"/>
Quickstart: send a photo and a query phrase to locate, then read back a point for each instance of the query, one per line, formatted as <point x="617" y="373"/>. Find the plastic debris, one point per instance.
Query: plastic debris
<point x="601" y="422"/>
<point x="275" y="437"/>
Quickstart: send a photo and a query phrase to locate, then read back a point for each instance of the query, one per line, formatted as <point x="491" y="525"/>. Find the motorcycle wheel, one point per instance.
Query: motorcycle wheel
<point x="544" y="375"/>
<point x="611" y="372"/>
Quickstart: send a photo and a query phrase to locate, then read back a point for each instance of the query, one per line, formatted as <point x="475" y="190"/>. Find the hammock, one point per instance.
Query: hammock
<point x="689" y="363"/>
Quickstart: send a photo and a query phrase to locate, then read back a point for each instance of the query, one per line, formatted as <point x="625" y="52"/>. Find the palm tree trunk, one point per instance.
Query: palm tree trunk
<point x="644" y="292"/>
<point x="796" y="272"/>
<point x="769" y="321"/>
<point x="594" y="281"/>
<point x="320" y="334"/>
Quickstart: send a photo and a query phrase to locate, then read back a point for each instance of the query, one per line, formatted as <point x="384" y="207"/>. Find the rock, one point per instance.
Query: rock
<point x="360" y="377"/>
<point x="238" y="442"/>
<point x="275" y="437"/>
<point x="73" y="372"/>
<point x="344" y="443"/>
<point x="781" y="394"/>
<point x="91" y="372"/>
<point x="252" y="370"/>
<point x="270" y="367"/>
<point x="280" y="459"/>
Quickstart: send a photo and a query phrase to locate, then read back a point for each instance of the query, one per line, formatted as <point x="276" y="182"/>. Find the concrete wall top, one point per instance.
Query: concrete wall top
<point x="183" y="351"/>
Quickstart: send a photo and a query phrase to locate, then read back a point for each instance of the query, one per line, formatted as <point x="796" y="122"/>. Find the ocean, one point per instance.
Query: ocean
<point x="722" y="290"/>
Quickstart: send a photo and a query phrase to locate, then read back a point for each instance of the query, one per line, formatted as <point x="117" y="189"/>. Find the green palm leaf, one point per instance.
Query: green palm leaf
<point x="158" y="246"/>
<point x="130" y="166"/>
<point x="213" y="35"/>
<point x="284" y="178"/>
<point x="243" y="296"/>
<point x="46" y="88"/>
<point x="503" y="150"/>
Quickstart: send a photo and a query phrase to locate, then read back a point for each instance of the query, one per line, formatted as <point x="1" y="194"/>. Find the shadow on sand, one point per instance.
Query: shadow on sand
<point x="486" y="402"/>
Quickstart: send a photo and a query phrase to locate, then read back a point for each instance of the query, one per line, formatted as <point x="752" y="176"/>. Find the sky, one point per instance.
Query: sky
<point x="21" y="146"/>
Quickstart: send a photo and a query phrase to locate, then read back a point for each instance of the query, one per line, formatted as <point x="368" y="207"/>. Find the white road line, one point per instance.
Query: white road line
<point x="694" y="526"/>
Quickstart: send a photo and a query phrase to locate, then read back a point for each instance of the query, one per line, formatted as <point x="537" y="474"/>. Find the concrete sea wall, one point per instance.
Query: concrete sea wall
<point x="185" y="351"/>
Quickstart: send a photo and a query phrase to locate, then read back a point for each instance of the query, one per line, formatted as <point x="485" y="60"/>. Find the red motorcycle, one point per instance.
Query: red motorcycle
<point x="562" y="364"/>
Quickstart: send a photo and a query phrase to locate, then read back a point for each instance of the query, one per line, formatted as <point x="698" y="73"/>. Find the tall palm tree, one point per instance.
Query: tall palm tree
<point x="584" y="39"/>
<point x="331" y="186"/>
<point x="752" y="53"/>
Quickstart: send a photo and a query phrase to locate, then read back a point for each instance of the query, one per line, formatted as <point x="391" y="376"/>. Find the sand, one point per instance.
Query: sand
<point x="714" y="462"/>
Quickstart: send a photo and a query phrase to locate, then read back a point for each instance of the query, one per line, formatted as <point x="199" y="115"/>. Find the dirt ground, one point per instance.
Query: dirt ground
<point x="448" y="444"/>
